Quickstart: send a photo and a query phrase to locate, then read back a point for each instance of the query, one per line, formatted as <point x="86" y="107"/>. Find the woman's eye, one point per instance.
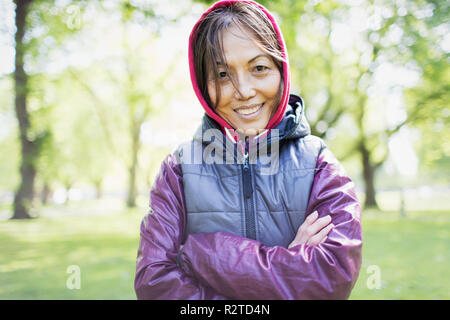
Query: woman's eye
<point x="222" y="74"/>
<point x="260" y="68"/>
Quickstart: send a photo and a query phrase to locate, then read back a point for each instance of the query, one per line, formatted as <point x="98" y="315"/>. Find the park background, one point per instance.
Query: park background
<point x="94" y="94"/>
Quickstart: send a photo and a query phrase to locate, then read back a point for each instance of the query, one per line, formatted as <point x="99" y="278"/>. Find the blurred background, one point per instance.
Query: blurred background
<point x="94" y="94"/>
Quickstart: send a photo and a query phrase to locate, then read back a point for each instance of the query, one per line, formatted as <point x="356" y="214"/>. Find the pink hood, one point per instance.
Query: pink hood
<point x="278" y="115"/>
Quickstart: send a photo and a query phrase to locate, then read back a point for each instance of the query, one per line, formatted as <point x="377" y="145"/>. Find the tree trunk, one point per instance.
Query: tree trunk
<point x="369" y="175"/>
<point x="131" y="200"/>
<point x="24" y="195"/>
<point x="67" y="185"/>
<point x="45" y="195"/>
<point x="98" y="189"/>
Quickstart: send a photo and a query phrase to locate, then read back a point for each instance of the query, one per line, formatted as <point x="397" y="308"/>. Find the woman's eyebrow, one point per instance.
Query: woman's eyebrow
<point x="259" y="55"/>
<point x="249" y="61"/>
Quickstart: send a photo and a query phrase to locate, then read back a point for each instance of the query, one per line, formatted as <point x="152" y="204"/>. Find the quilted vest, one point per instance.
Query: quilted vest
<point x="242" y="192"/>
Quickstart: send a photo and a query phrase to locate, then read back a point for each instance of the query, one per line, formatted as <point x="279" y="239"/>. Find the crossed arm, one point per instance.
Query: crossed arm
<point x="162" y="230"/>
<point x="320" y="263"/>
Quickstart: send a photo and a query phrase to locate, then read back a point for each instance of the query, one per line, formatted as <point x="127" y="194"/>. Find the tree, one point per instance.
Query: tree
<point x="32" y="15"/>
<point x="139" y="82"/>
<point x="29" y="145"/>
<point x="401" y="37"/>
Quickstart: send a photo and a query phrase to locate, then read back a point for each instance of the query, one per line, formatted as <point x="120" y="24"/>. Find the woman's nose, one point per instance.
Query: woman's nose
<point x="245" y="89"/>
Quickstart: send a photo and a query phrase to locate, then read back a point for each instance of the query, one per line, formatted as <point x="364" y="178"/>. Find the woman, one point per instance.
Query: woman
<point x="225" y="228"/>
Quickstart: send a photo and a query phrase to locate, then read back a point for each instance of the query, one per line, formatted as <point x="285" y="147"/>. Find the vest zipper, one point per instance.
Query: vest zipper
<point x="250" y="225"/>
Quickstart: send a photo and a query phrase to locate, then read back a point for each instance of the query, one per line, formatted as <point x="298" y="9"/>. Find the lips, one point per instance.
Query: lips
<point x="248" y="110"/>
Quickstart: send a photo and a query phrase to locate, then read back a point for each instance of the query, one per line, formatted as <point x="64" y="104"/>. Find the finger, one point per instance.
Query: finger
<point x="303" y="233"/>
<point x="311" y="218"/>
<point x="293" y="244"/>
<point x="314" y="240"/>
<point x="320" y="236"/>
<point x="318" y="225"/>
<point x="299" y="239"/>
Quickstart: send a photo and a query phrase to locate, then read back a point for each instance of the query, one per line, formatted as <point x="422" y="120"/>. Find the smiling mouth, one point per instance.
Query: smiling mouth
<point x="247" y="110"/>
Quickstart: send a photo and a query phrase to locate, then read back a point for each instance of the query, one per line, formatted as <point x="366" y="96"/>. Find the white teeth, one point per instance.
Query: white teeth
<point x="248" y="110"/>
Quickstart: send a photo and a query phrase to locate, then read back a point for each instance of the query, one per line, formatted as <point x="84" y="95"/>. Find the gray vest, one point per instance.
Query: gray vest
<point x="243" y="197"/>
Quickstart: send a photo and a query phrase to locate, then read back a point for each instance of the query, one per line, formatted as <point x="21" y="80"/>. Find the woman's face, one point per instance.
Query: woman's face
<point x="257" y="79"/>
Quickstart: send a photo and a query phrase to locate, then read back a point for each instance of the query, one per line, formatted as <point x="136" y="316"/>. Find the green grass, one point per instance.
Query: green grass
<point x="412" y="254"/>
<point x="35" y="255"/>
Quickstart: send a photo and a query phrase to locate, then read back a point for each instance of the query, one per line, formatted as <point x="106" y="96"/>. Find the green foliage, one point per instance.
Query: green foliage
<point x="432" y="117"/>
<point x="48" y="26"/>
<point x="86" y="117"/>
<point x="9" y="157"/>
<point x="9" y="147"/>
<point x="76" y="150"/>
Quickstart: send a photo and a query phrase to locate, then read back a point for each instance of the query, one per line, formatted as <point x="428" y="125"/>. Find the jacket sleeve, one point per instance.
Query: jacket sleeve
<point x="162" y="231"/>
<point x="246" y="269"/>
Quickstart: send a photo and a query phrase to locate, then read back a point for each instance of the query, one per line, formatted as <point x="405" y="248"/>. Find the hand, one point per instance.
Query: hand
<point x="313" y="231"/>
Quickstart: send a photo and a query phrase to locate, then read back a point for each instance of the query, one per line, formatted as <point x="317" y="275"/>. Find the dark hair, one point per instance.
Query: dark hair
<point x="208" y="44"/>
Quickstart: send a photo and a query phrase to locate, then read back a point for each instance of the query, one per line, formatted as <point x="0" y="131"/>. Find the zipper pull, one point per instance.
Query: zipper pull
<point x="247" y="180"/>
<point x="246" y="154"/>
<point x="244" y="150"/>
<point x="246" y="161"/>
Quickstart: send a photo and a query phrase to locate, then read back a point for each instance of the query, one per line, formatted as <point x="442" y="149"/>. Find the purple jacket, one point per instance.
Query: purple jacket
<point x="220" y="265"/>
